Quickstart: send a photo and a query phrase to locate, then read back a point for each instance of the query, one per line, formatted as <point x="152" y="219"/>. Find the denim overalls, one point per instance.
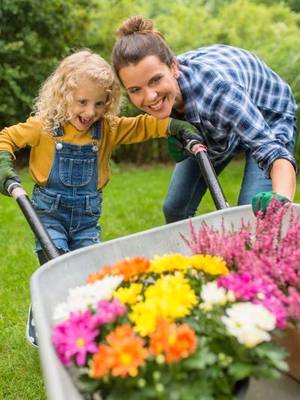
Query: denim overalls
<point x="69" y="205"/>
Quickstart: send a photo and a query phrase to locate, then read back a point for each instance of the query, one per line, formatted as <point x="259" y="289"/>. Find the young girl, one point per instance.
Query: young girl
<point x="236" y="101"/>
<point x="72" y="134"/>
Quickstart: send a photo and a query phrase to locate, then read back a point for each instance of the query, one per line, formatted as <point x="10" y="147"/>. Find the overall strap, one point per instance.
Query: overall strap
<point x="96" y="130"/>
<point x="58" y="131"/>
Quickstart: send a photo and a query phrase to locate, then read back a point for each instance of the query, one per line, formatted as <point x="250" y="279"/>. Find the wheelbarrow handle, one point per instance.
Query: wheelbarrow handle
<point x="197" y="149"/>
<point x="16" y="190"/>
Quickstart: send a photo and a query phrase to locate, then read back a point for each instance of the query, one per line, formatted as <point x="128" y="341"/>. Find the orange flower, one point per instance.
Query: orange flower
<point x="102" y="362"/>
<point x="129" y="268"/>
<point x="123" y="355"/>
<point x="175" y="342"/>
<point x="129" y="351"/>
<point x="106" y="270"/>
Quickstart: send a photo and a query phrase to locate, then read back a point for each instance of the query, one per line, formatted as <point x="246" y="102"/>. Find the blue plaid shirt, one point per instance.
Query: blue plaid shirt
<point x="238" y="103"/>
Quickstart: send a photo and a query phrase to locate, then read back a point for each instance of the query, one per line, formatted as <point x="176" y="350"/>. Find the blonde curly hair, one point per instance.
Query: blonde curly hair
<point x="56" y="93"/>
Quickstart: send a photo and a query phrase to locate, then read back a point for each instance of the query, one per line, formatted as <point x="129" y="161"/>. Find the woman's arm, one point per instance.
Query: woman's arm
<point x="283" y="178"/>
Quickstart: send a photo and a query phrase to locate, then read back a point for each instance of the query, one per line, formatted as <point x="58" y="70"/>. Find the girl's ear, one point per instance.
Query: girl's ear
<point x="174" y="68"/>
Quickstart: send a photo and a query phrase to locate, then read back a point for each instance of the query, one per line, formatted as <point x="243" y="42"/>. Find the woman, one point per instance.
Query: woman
<point x="235" y="100"/>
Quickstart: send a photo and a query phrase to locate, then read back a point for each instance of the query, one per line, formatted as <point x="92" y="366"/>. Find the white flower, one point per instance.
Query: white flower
<point x="88" y="296"/>
<point x="212" y="294"/>
<point x="249" y="323"/>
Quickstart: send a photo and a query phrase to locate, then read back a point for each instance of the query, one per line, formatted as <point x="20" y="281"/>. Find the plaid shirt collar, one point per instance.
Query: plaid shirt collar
<point x="190" y="104"/>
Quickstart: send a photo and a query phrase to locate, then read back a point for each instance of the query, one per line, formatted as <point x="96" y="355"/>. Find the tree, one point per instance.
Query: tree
<point x="35" y="35"/>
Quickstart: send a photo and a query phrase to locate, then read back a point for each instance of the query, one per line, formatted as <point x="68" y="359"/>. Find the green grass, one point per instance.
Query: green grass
<point x="132" y="202"/>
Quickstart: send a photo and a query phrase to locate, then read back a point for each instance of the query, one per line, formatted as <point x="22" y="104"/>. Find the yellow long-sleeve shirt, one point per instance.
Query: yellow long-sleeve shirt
<point x="114" y="132"/>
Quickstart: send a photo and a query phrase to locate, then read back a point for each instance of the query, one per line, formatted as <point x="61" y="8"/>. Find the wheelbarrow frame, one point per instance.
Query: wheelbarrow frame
<point x="16" y="190"/>
<point x="70" y="270"/>
<point x="194" y="147"/>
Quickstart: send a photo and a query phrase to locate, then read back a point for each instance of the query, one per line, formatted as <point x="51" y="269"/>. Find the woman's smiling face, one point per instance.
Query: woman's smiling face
<point x="152" y="86"/>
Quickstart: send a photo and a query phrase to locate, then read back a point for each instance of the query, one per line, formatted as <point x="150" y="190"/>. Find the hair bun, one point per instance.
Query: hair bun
<point x="135" y="24"/>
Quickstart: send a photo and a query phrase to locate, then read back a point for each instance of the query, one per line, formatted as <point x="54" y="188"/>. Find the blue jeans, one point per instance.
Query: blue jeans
<point x="72" y="223"/>
<point x="187" y="187"/>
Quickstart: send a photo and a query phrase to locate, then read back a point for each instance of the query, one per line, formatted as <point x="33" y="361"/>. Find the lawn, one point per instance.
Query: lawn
<point x="132" y="202"/>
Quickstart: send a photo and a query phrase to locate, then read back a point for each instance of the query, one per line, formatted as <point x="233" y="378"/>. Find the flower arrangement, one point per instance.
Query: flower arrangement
<point x="264" y="264"/>
<point x="184" y="327"/>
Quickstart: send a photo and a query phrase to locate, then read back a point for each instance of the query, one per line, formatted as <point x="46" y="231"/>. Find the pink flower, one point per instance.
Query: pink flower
<point x="74" y="338"/>
<point x="293" y="303"/>
<point x="267" y="260"/>
<point x="259" y="290"/>
<point x="277" y="308"/>
<point x="108" y="311"/>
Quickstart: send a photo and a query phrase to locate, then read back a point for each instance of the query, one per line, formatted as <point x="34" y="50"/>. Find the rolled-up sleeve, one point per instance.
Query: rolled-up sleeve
<point x="231" y="109"/>
<point x="138" y="129"/>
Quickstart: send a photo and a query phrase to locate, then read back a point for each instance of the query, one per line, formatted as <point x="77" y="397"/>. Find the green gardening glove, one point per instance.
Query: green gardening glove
<point x="181" y="132"/>
<point x="261" y="201"/>
<point x="176" y="149"/>
<point x="6" y="170"/>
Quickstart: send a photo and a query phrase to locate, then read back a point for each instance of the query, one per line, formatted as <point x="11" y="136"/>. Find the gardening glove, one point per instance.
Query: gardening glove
<point x="261" y="201"/>
<point x="176" y="149"/>
<point x="180" y="133"/>
<point x="6" y="170"/>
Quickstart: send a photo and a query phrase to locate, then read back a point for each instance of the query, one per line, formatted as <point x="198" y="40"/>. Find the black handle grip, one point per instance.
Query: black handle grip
<point x="11" y="184"/>
<point x="32" y="218"/>
<point x="208" y="172"/>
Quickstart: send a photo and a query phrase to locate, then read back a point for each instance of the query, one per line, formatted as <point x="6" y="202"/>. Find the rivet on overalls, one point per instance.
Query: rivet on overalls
<point x="58" y="146"/>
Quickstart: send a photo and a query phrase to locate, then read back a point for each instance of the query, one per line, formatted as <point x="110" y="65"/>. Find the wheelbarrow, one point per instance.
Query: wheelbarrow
<point x="50" y="283"/>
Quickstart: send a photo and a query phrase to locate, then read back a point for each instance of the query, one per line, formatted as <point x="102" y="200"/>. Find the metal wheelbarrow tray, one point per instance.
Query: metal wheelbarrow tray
<point x="50" y="283"/>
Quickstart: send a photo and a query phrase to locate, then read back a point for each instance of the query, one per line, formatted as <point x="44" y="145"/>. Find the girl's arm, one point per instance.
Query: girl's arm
<point x="20" y="135"/>
<point x="128" y="130"/>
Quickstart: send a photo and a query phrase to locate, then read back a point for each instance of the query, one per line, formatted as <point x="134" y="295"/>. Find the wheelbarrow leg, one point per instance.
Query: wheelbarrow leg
<point x="30" y="333"/>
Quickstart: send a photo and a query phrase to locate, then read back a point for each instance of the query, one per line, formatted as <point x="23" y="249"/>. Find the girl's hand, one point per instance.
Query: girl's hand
<point x="181" y="132"/>
<point x="6" y="170"/>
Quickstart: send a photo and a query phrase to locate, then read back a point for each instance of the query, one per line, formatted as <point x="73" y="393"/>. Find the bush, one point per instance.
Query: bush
<point x="35" y="35"/>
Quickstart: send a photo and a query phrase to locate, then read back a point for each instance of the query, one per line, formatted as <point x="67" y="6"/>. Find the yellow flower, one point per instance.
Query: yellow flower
<point x="170" y="297"/>
<point x="144" y="316"/>
<point x="212" y="265"/>
<point x="168" y="263"/>
<point x="129" y="295"/>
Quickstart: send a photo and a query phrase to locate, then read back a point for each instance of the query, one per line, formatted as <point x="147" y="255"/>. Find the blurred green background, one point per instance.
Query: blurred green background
<point x="35" y="35"/>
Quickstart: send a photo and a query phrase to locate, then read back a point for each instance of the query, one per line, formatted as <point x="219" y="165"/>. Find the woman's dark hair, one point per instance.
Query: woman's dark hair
<point x="138" y="39"/>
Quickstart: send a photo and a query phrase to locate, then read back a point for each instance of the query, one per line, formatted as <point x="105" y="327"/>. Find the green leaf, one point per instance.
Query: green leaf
<point x="202" y="358"/>
<point x="240" y="370"/>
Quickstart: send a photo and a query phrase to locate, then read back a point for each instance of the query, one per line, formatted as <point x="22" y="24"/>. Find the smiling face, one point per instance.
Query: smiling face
<point x="88" y="105"/>
<point x="152" y="86"/>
